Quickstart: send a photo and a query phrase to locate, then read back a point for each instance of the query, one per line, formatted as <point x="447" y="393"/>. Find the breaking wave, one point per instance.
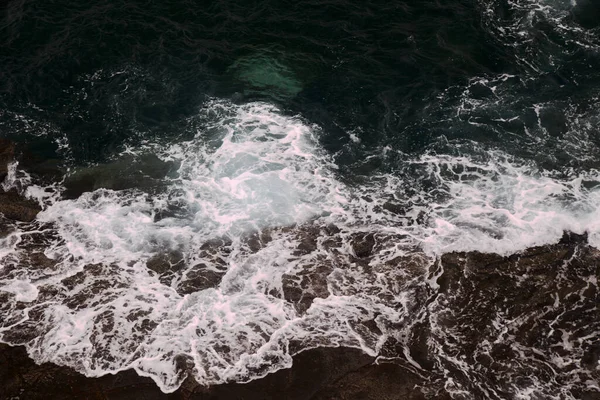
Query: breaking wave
<point x="253" y="247"/>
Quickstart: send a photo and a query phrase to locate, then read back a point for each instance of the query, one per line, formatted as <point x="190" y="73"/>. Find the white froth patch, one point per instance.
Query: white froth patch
<point x="248" y="168"/>
<point x="501" y="206"/>
<point x="266" y="171"/>
<point x="104" y="226"/>
<point x="19" y="180"/>
<point x="23" y="290"/>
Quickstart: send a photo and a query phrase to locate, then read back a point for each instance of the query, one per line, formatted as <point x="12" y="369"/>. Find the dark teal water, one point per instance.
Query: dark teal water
<point x="103" y="74"/>
<point x="233" y="182"/>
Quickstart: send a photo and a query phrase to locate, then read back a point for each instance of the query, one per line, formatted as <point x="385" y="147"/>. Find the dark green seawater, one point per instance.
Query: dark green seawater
<point x="211" y="173"/>
<point x="103" y="74"/>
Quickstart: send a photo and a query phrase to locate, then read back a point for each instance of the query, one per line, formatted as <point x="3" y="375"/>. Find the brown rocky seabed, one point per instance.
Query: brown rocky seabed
<point x="545" y="293"/>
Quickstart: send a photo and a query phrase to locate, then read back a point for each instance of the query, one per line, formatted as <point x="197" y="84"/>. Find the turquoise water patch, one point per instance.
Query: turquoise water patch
<point x="266" y="74"/>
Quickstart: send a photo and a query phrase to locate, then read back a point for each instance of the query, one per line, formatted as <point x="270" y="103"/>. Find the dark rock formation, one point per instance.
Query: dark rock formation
<point x="145" y="172"/>
<point x="494" y="326"/>
<point x="21" y="378"/>
<point x="325" y="373"/>
<point x="16" y="208"/>
<point x="385" y="381"/>
<point x="530" y="320"/>
<point x="7" y="154"/>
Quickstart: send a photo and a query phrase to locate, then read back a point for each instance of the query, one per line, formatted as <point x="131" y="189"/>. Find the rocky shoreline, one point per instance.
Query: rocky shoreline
<point x="343" y="373"/>
<point x="325" y="373"/>
<point x="487" y="327"/>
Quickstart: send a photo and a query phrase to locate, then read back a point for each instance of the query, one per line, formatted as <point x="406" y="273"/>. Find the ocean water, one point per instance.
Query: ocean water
<point x="207" y="157"/>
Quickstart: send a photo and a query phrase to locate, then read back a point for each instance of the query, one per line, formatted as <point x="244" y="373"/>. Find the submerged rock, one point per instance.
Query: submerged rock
<point x="7" y="154"/>
<point x="14" y="207"/>
<point x="311" y="283"/>
<point x="528" y="322"/>
<point x="144" y="172"/>
<point x="324" y="373"/>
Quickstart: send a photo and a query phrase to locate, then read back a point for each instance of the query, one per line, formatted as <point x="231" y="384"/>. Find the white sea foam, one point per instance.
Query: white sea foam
<point x="22" y="289"/>
<point x="249" y="168"/>
<point x="252" y="169"/>
<point x="504" y="206"/>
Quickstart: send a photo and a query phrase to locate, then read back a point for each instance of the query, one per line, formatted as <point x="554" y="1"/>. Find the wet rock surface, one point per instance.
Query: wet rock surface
<point x="325" y="373"/>
<point x="476" y="325"/>
<point x="147" y="173"/>
<point x="16" y="208"/>
<point x="489" y="327"/>
<point x="7" y="153"/>
<point x="512" y="324"/>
